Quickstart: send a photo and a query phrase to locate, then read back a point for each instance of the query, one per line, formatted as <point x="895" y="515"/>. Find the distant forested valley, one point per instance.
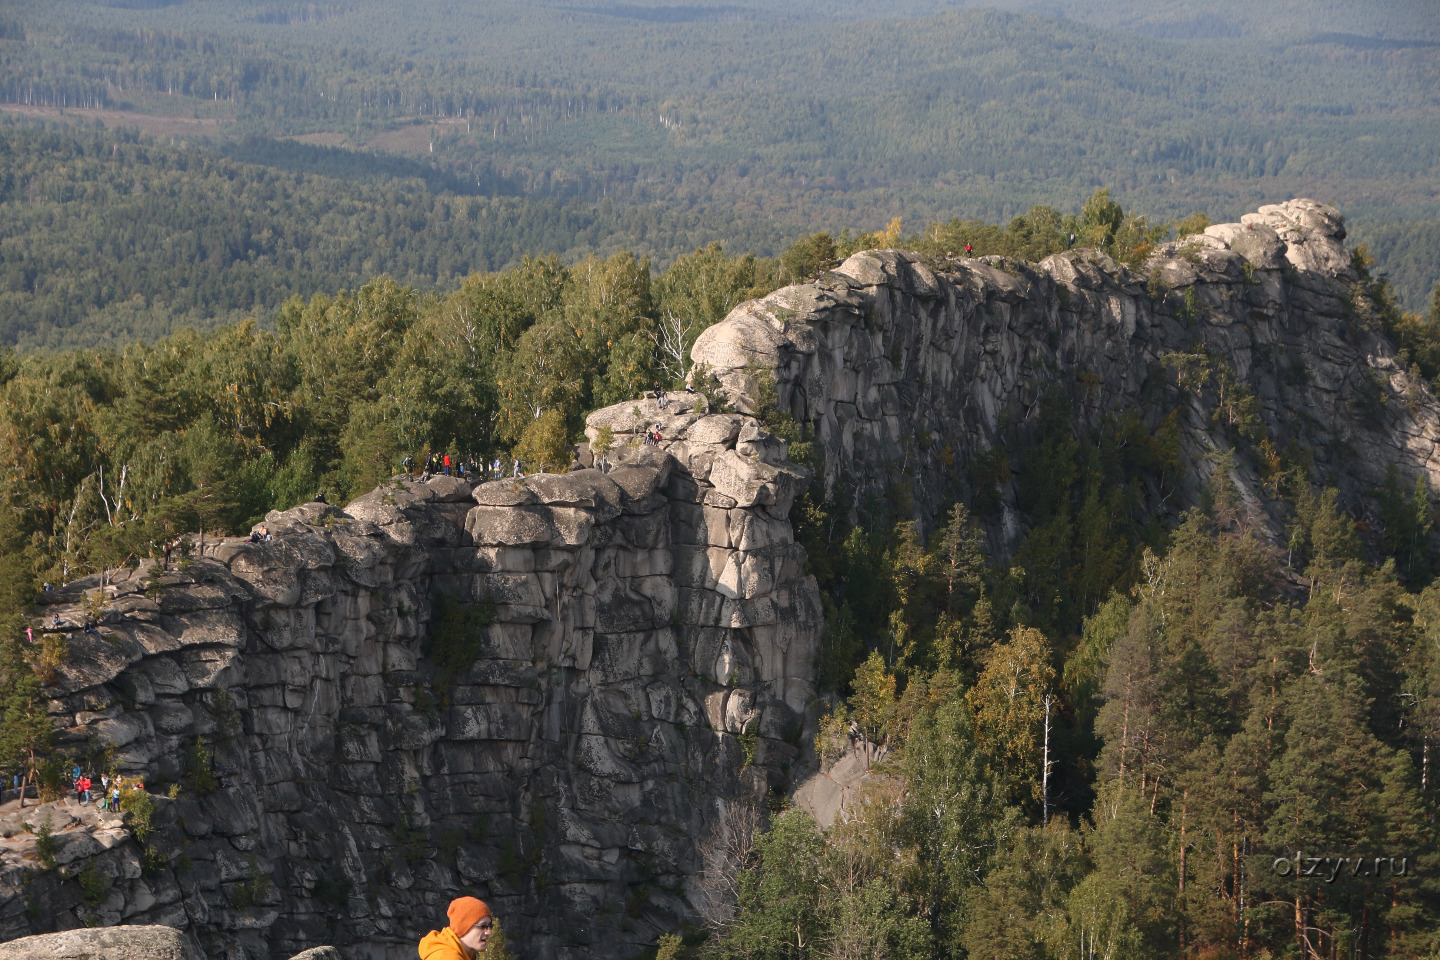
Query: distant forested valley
<point x="193" y="162"/>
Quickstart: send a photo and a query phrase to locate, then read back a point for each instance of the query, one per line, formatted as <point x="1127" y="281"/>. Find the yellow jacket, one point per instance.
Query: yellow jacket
<point x="443" y="945"/>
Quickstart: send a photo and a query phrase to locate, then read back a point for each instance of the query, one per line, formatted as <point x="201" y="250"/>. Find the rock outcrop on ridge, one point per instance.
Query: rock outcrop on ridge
<point x="908" y="369"/>
<point x="546" y="691"/>
<point x="539" y="690"/>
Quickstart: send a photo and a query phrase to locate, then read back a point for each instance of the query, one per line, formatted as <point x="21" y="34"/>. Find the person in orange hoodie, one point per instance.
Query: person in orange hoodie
<point x="464" y="938"/>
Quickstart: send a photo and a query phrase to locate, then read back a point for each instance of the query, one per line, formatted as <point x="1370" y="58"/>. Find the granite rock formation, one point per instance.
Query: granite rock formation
<point x="104" y="943"/>
<point x="545" y="690"/>
<point x="908" y="368"/>
<point x="537" y="690"/>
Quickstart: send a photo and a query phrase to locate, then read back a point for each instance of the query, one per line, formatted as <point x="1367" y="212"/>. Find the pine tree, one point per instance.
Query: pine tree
<point x="25" y="726"/>
<point x="1020" y="911"/>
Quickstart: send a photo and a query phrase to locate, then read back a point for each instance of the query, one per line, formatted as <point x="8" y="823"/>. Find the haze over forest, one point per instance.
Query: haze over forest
<point x="261" y="149"/>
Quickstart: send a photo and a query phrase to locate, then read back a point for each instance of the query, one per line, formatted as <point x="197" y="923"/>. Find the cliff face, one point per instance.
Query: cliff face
<point x="539" y="691"/>
<point x="546" y="691"/>
<point x="908" y="369"/>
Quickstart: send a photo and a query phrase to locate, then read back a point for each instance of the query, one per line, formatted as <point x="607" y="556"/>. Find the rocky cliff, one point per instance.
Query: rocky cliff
<point x="545" y="691"/>
<point x="540" y="691"/>
<point x="908" y="369"/>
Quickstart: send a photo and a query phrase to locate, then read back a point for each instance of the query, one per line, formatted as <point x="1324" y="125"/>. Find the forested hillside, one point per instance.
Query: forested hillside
<point x="111" y="236"/>
<point x="748" y="124"/>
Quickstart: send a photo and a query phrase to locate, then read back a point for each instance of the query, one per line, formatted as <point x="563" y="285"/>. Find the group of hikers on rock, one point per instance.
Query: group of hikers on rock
<point x="443" y="464"/>
<point x="439" y="463"/>
<point x="110" y="789"/>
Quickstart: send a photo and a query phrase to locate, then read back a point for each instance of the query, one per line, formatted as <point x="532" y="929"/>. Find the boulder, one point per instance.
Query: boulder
<point x="1256" y="242"/>
<point x="105" y="943"/>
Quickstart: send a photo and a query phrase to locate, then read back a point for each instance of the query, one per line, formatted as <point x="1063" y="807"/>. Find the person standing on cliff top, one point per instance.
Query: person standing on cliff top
<point x="464" y="938"/>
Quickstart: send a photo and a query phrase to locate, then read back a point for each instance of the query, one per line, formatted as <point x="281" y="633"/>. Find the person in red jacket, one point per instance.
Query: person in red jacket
<point x="447" y="464"/>
<point x="465" y="937"/>
<point x="82" y="787"/>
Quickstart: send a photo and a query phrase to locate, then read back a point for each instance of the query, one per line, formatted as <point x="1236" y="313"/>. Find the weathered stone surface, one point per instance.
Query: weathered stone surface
<point x="104" y="943"/>
<point x="318" y="953"/>
<point x="302" y="664"/>
<point x="905" y="366"/>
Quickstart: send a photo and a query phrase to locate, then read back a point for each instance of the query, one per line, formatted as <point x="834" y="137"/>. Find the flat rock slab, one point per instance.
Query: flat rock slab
<point x="123" y="943"/>
<point x="104" y="943"/>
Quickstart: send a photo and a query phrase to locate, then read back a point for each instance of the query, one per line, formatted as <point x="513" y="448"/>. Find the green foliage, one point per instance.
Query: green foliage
<point x="254" y="890"/>
<point x="1101" y="224"/>
<point x="749" y="743"/>
<point x="544" y="446"/>
<point x="1085" y="666"/>
<point x="1417" y="337"/>
<point x="168" y="237"/>
<point x="873" y="702"/>
<point x="1021" y="912"/>
<point x="808" y="257"/>
<point x="50" y="775"/>
<point x="225" y="713"/>
<point x="25" y="725"/>
<point x="1194" y="223"/>
<point x="1086" y="500"/>
<point x="1234" y="721"/>
<point x="94" y="885"/>
<point x="783" y="909"/>
<point x="198" y="768"/>
<point x="951" y="816"/>
<point x="669" y="947"/>
<point x="455" y="638"/>
<point x="497" y="947"/>
<point x="139" y="811"/>
<point x="699" y="289"/>
<point x="1007" y="702"/>
<point x="832" y="736"/>
<point x="467" y="159"/>
<point x="46" y="846"/>
<point x="1407" y="528"/>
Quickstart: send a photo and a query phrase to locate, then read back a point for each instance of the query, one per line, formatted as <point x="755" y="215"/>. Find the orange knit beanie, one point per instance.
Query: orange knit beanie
<point x="465" y="912"/>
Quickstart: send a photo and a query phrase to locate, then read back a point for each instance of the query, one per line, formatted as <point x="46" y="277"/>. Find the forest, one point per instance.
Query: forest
<point x="111" y="237"/>
<point x="1217" y="716"/>
<point x="592" y="128"/>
